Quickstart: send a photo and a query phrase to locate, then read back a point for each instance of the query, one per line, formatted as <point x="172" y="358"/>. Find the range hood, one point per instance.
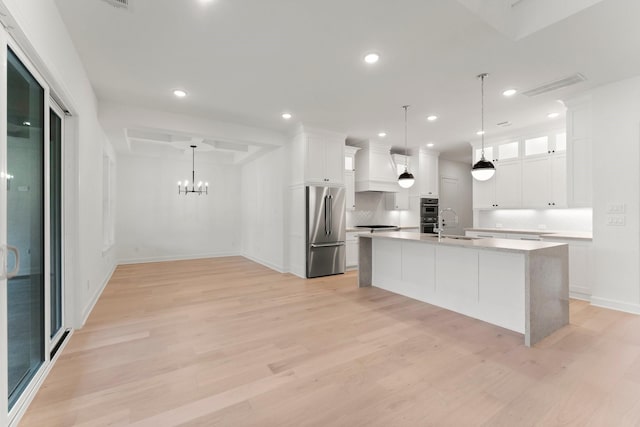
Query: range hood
<point x="375" y="169"/>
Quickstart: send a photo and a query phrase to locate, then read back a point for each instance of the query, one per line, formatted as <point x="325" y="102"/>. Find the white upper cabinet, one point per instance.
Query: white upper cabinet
<point x="349" y="176"/>
<point x="530" y="172"/>
<point x="504" y="190"/>
<point x="579" y="153"/>
<point x="397" y="201"/>
<point x="323" y="158"/>
<point x="428" y="176"/>
<point x="544" y="182"/>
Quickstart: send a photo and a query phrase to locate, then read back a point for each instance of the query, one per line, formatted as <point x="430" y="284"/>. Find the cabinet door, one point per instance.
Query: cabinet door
<point x="509" y="185"/>
<point x="397" y="201"/>
<point x="428" y="175"/>
<point x="559" y="181"/>
<point x="536" y="183"/>
<point x="315" y="160"/>
<point x="350" y="196"/>
<point x="484" y="194"/>
<point x="334" y="161"/>
<point x="352" y="252"/>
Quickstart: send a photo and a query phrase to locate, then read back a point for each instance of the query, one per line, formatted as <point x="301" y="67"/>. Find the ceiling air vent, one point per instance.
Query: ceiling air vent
<point x="555" y="85"/>
<point x="119" y="3"/>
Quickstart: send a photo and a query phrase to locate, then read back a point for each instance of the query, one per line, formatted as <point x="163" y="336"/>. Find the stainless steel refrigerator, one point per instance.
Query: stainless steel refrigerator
<point x="325" y="231"/>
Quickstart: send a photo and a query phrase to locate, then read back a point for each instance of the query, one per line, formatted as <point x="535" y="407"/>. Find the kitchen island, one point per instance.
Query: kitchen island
<point x="516" y="284"/>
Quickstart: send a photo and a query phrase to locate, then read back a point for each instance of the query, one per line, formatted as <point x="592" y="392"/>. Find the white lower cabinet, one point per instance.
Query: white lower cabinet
<point x="351" y="250"/>
<point x="484" y="284"/>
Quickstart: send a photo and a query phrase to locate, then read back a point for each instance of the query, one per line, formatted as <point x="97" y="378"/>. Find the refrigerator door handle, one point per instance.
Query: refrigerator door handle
<point x="330" y="214"/>
<point x="326" y="203"/>
<point x="326" y="245"/>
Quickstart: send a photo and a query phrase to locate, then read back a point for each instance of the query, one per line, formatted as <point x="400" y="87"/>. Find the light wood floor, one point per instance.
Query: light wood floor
<point x="227" y="342"/>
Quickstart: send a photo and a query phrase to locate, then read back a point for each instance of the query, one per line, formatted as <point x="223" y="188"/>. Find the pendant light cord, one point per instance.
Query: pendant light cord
<point x="193" y="166"/>
<point x="481" y="77"/>
<point x="406" y="147"/>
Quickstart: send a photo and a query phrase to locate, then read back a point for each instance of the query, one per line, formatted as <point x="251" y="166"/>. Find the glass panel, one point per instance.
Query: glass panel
<point x="535" y="146"/>
<point x="488" y="154"/>
<point x="561" y="142"/>
<point x="55" y="204"/>
<point x="508" y="150"/>
<point x="348" y="163"/>
<point x="25" y="225"/>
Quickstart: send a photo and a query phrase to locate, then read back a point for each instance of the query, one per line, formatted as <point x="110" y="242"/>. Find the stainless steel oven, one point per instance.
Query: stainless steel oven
<point x="428" y="215"/>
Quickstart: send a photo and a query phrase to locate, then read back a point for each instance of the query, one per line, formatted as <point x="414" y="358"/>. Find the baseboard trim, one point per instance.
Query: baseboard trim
<point x="580" y="292"/>
<point x="87" y="311"/>
<point x="616" y="305"/>
<point x="176" y="258"/>
<point x="267" y="264"/>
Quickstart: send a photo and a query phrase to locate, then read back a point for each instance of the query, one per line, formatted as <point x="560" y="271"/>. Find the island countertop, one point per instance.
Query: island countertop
<point x="507" y="245"/>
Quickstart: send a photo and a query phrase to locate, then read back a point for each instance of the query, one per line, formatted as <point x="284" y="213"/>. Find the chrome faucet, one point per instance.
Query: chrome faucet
<point x="440" y="228"/>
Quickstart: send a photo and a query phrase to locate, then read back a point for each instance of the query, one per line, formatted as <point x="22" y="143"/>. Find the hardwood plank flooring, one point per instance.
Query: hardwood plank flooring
<point x="228" y="342"/>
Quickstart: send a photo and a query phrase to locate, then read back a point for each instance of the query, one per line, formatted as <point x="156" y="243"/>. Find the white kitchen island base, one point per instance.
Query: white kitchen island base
<point x="518" y="285"/>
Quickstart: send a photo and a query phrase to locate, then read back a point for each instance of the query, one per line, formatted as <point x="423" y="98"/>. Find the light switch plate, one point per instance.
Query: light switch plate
<point x="616" y="208"/>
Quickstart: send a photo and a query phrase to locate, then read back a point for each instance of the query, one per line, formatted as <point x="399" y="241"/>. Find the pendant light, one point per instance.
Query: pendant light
<point x="406" y="179"/>
<point x="196" y="189"/>
<point x="483" y="169"/>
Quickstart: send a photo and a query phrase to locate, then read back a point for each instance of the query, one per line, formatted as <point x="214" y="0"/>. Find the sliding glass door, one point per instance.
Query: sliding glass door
<point x="25" y="213"/>
<point x="31" y="229"/>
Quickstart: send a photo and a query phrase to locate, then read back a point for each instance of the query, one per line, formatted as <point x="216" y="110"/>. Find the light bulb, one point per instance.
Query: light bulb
<point x="200" y="184"/>
<point x="186" y="183"/>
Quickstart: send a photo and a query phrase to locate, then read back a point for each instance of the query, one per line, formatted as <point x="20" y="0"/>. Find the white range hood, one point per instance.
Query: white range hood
<point x="375" y="169"/>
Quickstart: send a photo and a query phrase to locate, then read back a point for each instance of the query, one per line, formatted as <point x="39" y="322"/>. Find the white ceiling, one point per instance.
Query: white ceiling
<point x="247" y="61"/>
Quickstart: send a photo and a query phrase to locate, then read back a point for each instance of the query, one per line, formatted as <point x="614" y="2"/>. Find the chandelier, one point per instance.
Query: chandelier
<point x="200" y="188"/>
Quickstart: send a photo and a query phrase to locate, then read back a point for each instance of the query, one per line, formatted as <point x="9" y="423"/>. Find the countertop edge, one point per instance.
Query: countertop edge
<point x="411" y="237"/>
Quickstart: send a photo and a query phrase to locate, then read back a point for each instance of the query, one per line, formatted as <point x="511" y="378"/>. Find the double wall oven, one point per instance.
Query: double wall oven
<point x="428" y="215"/>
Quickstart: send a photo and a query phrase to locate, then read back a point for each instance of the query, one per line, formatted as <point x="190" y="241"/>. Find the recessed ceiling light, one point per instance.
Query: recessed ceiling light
<point x="432" y="118"/>
<point x="382" y="134"/>
<point x="430" y="144"/>
<point x="371" y="58"/>
<point x="179" y="93"/>
<point x="286" y="116"/>
<point x="480" y="132"/>
<point x="509" y="92"/>
<point x="553" y="115"/>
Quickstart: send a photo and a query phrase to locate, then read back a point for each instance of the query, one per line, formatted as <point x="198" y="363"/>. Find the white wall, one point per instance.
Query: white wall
<point x="42" y="34"/>
<point x="155" y="223"/>
<point x="262" y="209"/>
<point x="616" y="180"/>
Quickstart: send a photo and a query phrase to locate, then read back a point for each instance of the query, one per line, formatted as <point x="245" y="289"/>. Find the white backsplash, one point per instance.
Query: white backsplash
<point x="536" y="219"/>
<point x="371" y="209"/>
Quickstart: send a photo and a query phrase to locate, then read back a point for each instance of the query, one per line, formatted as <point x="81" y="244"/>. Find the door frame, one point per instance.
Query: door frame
<point x="53" y="341"/>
